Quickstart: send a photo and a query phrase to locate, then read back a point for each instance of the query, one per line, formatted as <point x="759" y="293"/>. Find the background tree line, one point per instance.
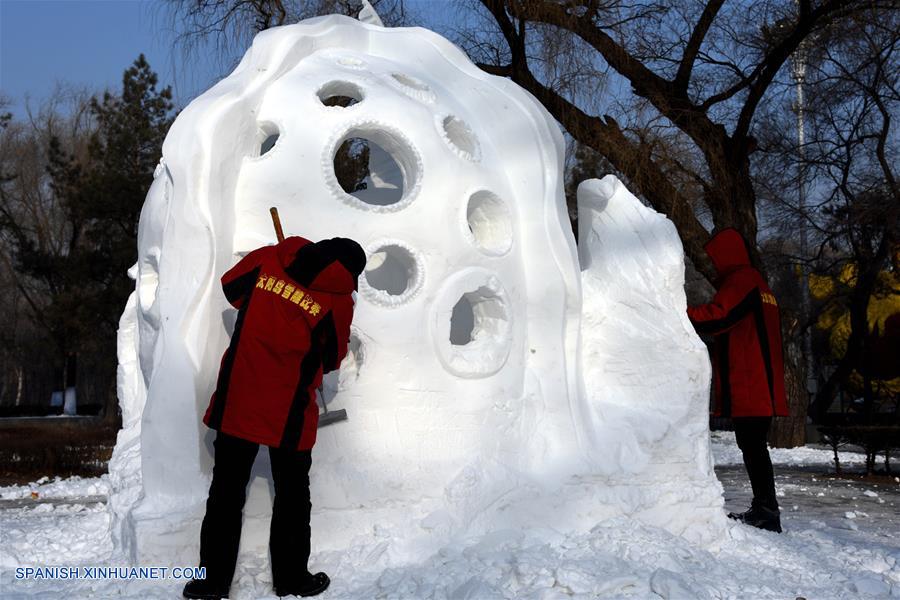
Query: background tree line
<point x="696" y="105"/>
<point x="73" y="177"/>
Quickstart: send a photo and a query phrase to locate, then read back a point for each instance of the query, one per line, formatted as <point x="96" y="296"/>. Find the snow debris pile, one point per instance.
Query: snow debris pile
<point x="495" y="382"/>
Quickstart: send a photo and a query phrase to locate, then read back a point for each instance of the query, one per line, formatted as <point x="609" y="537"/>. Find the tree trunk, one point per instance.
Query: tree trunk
<point x="20" y="379"/>
<point x="111" y="409"/>
<point x="790" y="432"/>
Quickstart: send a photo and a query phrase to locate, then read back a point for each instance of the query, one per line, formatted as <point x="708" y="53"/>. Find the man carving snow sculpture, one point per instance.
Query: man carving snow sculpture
<point x="295" y="306"/>
<point x="748" y="369"/>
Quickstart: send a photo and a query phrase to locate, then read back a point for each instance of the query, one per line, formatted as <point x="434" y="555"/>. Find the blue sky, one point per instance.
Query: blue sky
<point x="91" y="42"/>
<point x="87" y="42"/>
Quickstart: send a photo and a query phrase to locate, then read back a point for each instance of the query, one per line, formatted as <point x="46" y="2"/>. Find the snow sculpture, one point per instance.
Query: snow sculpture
<point x="484" y="364"/>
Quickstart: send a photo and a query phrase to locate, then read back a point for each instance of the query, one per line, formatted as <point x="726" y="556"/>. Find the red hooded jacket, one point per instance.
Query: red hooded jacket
<point x="743" y="317"/>
<point x="294" y="311"/>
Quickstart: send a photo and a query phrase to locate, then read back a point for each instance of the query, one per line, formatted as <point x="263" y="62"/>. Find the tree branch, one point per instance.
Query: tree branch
<point x="808" y="20"/>
<point x="674" y="104"/>
<point x="683" y="76"/>
<point x="605" y="136"/>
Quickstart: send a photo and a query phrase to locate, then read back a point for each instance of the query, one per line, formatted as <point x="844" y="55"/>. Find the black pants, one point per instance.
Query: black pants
<point x="751" y="434"/>
<point x="289" y="533"/>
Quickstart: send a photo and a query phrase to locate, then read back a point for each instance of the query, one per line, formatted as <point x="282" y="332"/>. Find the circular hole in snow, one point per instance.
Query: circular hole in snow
<point x="489" y="319"/>
<point x="267" y="137"/>
<point x="389" y="270"/>
<point x="393" y="274"/>
<point x="375" y="167"/>
<point x="462" y="322"/>
<point x="342" y="94"/>
<point x="410" y="82"/>
<point x="489" y="223"/>
<point x="460" y="138"/>
<point x="412" y="87"/>
<point x="349" y="61"/>
<point x="479" y="331"/>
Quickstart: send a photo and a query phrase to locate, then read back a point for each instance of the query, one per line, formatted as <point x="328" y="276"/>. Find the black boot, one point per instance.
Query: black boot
<point x="763" y="518"/>
<point x="310" y="585"/>
<point x="203" y="589"/>
<point x="740" y="516"/>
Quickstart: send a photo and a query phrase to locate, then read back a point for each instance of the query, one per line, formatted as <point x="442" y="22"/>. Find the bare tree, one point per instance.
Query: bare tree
<point x="698" y="70"/>
<point x="852" y="153"/>
<point x="228" y="26"/>
<point x="686" y="83"/>
<point x="32" y="216"/>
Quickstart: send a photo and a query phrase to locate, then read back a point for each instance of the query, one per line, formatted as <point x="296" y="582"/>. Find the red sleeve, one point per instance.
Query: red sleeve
<point x="238" y="281"/>
<point x="731" y="303"/>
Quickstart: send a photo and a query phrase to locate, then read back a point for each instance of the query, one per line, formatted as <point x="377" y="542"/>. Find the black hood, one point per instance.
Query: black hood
<point x="331" y="265"/>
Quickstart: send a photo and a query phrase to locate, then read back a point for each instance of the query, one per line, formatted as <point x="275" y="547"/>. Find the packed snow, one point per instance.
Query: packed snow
<point x="840" y="541"/>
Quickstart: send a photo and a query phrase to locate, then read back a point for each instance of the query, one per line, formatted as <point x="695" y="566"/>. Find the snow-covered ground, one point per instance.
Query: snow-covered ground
<point x="841" y="541"/>
<point x="726" y="452"/>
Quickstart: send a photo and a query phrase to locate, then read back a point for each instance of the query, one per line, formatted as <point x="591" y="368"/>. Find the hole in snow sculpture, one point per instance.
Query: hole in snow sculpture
<point x="389" y="270"/>
<point x="491" y="365"/>
<point x="462" y="322"/>
<point x="410" y="82"/>
<point x="413" y="87"/>
<point x="460" y="138"/>
<point x="342" y="94"/>
<point x="351" y="62"/>
<point x="268" y="137"/>
<point x="393" y="274"/>
<point x="374" y="167"/>
<point x="478" y="327"/>
<point x="489" y="223"/>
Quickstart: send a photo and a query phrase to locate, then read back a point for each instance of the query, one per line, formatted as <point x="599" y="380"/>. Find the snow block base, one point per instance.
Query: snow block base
<point x="167" y="538"/>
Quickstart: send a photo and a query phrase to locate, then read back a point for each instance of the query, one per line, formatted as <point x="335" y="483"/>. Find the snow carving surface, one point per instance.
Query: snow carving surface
<point x="492" y="369"/>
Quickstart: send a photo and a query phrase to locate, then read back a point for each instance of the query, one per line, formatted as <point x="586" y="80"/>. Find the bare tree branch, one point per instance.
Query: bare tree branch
<point x="698" y="35"/>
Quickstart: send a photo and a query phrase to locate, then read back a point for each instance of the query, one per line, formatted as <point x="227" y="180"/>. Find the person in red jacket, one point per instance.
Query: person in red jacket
<point x="295" y="304"/>
<point x="748" y="371"/>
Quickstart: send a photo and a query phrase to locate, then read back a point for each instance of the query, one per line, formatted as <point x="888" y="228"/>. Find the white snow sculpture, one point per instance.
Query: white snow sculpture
<point x="484" y="363"/>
